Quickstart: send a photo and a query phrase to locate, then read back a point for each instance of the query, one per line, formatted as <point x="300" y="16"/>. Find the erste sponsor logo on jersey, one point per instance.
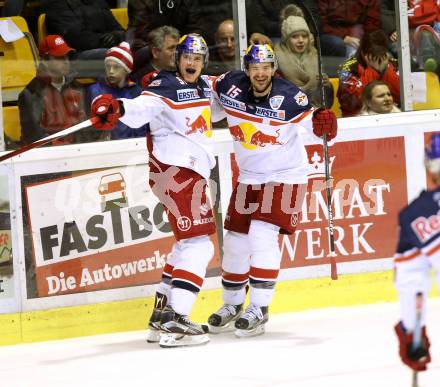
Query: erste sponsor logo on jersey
<point x="276" y="101"/>
<point x="426" y="228"/>
<point x="187" y="94"/>
<point x="227" y="101"/>
<point x="263" y="112"/>
<point x="301" y="99"/>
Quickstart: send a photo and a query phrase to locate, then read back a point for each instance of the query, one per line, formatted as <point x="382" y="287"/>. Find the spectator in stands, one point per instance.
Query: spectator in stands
<point x="298" y="58"/>
<point x="377" y="99"/>
<point x="388" y="24"/>
<point x="87" y="25"/>
<point x="146" y="15"/>
<point x="222" y="56"/>
<point x="212" y="13"/>
<point x="344" y="22"/>
<point x="118" y="66"/>
<point x="159" y="54"/>
<point x="52" y="101"/>
<point x="371" y="62"/>
<point x="263" y="18"/>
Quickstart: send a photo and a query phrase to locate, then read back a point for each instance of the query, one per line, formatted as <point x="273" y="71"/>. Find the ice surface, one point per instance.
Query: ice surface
<point x="343" y="347"/>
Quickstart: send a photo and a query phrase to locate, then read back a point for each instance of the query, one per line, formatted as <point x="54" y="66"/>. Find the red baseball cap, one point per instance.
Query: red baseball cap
<point x="54" y="45"/>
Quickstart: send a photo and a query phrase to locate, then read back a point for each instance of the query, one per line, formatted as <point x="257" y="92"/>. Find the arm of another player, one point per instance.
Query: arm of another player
<point x="409" y="281"/>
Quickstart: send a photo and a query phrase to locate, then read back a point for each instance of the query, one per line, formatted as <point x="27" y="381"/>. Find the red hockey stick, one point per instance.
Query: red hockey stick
<point x="48" y="139"/>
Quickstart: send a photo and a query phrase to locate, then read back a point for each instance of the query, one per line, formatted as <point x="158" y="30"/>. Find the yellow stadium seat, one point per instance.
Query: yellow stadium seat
<point x="432" y="94"/>
<point x="42" y="33"/>
<point x="11" y="122"/>
<point x="335" y="107"/>
<point x="121" y="15"/>
<point x="18" y="65"/>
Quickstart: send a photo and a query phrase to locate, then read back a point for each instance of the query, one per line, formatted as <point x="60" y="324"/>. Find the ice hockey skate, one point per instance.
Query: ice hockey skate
<point x="153" y="333"/>
<point x="252" y="321"/>
<point x="178" y="330"/>
<point x="223" y="320"/>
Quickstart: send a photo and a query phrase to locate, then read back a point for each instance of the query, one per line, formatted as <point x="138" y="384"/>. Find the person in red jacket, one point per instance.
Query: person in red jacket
<point x="53" y="100"/>
<point x="344" y="23"/>
<point x="372" y="62"/>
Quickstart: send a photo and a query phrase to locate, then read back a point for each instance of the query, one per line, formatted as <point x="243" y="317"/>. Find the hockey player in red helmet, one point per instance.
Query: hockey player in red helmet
<point x="417" y="254"/>
<point x="177" y="107"/>
<point x="266" y="116"/>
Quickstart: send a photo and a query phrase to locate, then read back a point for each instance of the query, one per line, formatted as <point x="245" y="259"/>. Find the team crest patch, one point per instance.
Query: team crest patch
<point x="276" y="101"/>
<point x="156" y="82"/>
<point x="301" y="99"/>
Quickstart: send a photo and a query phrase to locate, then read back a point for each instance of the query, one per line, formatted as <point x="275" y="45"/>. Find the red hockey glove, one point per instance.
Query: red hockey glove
<point x="414" y="359"/>
<point x="325" y="122"/>
<point x="107" y="110"/>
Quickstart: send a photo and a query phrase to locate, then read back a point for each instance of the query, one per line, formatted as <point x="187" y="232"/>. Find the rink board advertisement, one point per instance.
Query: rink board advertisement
<point x="97" y="230"/>
<point x="368" y="190"/>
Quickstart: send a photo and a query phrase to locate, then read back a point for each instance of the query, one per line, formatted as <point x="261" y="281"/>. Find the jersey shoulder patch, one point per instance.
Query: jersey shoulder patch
<point x="295" y="100"/>
<point x="164" y="84"/>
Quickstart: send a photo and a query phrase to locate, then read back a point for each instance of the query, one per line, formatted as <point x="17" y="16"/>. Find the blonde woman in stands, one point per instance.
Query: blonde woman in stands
<point x="298" y="58"/>
<point x="377" y="99"/>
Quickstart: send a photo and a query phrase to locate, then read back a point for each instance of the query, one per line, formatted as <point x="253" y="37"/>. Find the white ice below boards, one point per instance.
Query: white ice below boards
<point x="343" y="347"/>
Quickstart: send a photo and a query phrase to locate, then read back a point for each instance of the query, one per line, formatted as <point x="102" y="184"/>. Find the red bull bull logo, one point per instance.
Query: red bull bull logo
<point x="251" y="138"/>
<point x="202" y="124"/>
<point x="236" y="133"/>
<point x="262" y="139"/>
<point x="198" y="125"/>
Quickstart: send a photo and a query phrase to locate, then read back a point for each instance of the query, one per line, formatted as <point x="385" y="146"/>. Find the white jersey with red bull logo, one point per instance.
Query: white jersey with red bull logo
<point x="266" y="132"/>
<point x="179" y="115"/>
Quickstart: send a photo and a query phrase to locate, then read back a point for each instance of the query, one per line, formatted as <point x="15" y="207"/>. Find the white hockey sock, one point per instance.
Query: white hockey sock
<point x="408" y="310"/>
<point x="182" y="300"/>
<point x="234" y="297"/>
<point x="164" y="289"/>
<point x="265" y="261"/>
<point x="261" y="297"/>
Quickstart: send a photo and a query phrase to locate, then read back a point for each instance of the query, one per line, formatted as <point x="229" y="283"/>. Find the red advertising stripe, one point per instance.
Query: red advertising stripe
<point x="135" y="265"/>
<point x="187" y="276"/>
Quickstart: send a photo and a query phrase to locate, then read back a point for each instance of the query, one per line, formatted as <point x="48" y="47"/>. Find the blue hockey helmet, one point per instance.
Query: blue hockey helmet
<point x="192" y="44"/>
<point x="432" y="154"/>
<point x="259" y="53"/>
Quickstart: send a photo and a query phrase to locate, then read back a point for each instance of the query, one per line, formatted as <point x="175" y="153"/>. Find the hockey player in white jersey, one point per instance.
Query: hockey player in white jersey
<point x="177" y="106"/>
<point x="418" y="252"/>
<point x="265" y="117"/>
